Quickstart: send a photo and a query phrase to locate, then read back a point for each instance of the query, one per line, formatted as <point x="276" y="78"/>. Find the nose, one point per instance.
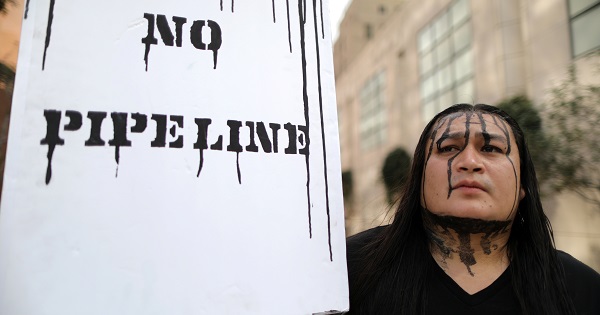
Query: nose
<point x="469" y="160"/>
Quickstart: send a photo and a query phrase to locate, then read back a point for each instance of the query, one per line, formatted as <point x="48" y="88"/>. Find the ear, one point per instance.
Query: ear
<point x="521" y="194"/>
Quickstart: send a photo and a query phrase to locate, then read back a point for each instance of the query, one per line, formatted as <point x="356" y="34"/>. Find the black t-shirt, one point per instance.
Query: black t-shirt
<point x="447" y="297"/>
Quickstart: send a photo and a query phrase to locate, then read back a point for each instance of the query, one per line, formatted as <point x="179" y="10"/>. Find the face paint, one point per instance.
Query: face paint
<point x="438" y="229"/>
<point x="470" y="170"/>
<point x="466" y="142"/>
<point x="471" y="163"/>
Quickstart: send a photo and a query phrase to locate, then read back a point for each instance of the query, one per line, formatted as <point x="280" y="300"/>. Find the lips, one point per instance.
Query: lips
<point x="469" y="184"/>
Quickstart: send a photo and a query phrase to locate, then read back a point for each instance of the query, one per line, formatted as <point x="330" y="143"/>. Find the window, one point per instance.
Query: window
<point x="372" y="112"/>
<point x="585" y="23"/>
<point x="446" y="60"/>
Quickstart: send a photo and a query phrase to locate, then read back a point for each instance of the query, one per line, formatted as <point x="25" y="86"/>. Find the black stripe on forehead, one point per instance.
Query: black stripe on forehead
<point x="434" y="133"/>
<point x="501" y="124"/>
<point x="446" y="132"/>
<point x="504" y="130"/>
<point x="468" y="116"/>
<point x="446" y="135"/>
<point x="503" y="135"/>
<point x="486" y="135"/>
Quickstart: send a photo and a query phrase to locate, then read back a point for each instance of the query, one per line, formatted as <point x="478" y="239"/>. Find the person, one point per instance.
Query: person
<point x="469" y="235"/>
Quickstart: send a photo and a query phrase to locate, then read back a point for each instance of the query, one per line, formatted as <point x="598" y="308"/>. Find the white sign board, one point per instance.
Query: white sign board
<point x="173" y="157"/>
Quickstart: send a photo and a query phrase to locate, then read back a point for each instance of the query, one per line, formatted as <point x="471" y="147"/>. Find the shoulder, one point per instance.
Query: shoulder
<point x="583" y="284"/>
<point x="356" y="249"/>
<point x="577" y="270"/>
<point x="357" y="241"/>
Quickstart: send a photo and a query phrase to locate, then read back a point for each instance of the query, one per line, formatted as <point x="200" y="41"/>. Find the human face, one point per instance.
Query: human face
<point x="472" y="168"/>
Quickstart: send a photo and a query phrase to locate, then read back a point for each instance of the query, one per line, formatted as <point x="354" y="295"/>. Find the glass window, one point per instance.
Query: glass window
<point x="463" y="66"/>
<point x="460" y="12"/>
<point x="586" y="31"/>
<point x="426" y="62"/>
<point x="446" y="60"/>
<point x="585" y="23"/>
<point x="443" y="51"/>
<point x="372" y="113"/>
<point x="425" y="39"/>
<point x="441" y="26"/>
<point x="445" y="78"/>
<point x="578" y="6"/>
<point x="462" y="37"/>
<point x="429" y="86"/>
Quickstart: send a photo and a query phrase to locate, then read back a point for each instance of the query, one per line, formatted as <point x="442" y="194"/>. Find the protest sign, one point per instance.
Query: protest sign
<point x="173" y="157"/>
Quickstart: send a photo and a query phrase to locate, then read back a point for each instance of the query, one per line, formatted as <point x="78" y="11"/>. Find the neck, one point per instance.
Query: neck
<point x="469" y="249"/>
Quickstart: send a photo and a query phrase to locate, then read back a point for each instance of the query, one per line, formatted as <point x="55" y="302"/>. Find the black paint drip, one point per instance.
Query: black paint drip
<point x="322" y="24"/>
<point x="301" y="8"/>
<point x="120" y="136"/>
<point x="48" y="31"/>
<point x="215" y="40"/>
<point x="322" y="127"/>
<point x="239" y="172"/>
<point x="484" y="133"/>
<point x="52" y="138"/>
<point x="149" y="39"/>
<point x="26" y="9"/>
<point x="201" y="163"/>
<point x="232" y="3"/>
<point x="287" y="8"/>
<point x="439" y="142"/>
<point x="202" y="142"/>
<point x="302" y="21"/>
<point x="304" y="11"/>
<point x="464" y="227"/>
<point x="451" y="160"/>
<point x="465" y="252"/>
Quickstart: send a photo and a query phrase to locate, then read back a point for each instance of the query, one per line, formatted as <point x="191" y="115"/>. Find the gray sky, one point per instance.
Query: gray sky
<point x="336" y="11"/>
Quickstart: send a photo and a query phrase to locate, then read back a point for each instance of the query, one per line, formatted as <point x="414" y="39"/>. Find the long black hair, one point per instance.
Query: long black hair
<point x="393" y="274"/>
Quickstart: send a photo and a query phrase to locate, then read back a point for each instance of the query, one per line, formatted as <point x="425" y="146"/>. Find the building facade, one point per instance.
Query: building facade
<point x="406" y="60"/>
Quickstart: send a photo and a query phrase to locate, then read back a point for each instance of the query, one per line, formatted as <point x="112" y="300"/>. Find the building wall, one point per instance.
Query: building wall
<point x="518" y="47"/>
<point x="362" y="20"/>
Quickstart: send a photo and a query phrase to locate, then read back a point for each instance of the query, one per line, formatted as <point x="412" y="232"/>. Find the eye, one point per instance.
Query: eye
<point x="448" y="148"/>
<point x="490" y="148"/>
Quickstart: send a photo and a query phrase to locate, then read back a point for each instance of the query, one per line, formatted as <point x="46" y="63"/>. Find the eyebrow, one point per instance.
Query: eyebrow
<point x="478" y="134"/>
